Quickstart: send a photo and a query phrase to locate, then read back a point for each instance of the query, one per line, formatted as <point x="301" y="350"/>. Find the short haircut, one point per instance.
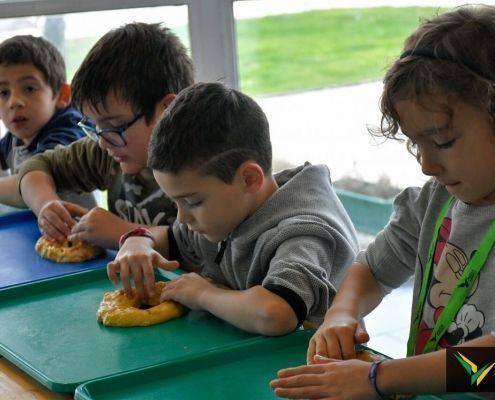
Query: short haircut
<point x="449" y="54"/>
<point x="213" y="129"/>
<point x="44" y="56"/>
<point x="137" y="62"/>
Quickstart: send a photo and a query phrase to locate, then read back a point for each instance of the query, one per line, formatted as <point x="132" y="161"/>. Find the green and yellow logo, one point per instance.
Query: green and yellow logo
<point x="476" y="374"/>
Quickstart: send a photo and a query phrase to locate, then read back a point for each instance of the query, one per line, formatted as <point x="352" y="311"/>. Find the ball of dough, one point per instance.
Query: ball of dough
<point x="74" y="251"/>
<point x="116" y="309"/>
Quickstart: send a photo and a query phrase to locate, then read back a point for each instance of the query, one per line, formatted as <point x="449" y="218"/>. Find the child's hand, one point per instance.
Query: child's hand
<point x="336" y="337"/>
<point x="328" y="379"/>
<point x="100" y="227"/>
<point x="55" y="218"/>
<point x="137" y="260"/>
<point x="189" y="289"/>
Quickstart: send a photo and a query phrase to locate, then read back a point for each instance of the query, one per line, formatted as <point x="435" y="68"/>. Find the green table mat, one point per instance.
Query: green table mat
<point x="235" y="372"/>
<point x="49" y="330"/>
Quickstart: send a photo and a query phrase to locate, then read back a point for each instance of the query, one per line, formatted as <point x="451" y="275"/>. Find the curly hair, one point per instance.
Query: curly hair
<point x="451" y="54"/>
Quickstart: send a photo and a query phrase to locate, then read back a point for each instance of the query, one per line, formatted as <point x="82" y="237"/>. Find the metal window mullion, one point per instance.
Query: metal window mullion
<point x="213" y="41"/>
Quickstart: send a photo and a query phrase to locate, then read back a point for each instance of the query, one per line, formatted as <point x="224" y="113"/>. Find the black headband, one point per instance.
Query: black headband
<point x="436" y="55"/>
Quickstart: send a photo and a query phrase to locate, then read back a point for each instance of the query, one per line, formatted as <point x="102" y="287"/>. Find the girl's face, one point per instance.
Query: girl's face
<point x="457" y="148"/>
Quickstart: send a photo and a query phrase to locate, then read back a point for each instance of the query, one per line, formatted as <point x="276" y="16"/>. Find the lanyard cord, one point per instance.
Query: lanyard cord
<point x="460" y="292"/>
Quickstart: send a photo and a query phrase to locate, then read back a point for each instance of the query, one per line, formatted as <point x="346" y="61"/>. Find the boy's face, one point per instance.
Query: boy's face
<point x="206" y="204"/>
<point x="133" y="156"/>
<point x="27" y="102"/>
<point x="457" y="149"/>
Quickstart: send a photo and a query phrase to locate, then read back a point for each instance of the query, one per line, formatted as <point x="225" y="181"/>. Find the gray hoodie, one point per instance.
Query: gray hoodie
<point x="297" y="244"/>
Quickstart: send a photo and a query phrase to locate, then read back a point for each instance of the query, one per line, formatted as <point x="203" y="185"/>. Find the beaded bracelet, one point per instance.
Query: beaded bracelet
<point x="139" y="231"/>
<point x="372" y="377"/>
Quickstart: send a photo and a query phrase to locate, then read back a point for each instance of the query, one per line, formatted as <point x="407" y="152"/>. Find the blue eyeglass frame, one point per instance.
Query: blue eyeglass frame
<point x="93" y="133"/>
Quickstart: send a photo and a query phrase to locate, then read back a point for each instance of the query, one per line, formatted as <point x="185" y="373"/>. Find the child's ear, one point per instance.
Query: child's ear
<point x="162" y="105"/>
<point x="64" y="96"/>
<point x="167" y="99"/>
<point x="252" y="176"/>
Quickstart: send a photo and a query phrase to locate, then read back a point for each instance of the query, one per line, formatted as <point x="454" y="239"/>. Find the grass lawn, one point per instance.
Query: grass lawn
<point x="309" y="50"/>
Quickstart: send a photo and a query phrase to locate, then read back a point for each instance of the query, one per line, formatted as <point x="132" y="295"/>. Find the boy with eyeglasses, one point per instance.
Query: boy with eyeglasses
<point x="35" y="107"/>
<point x="121" y="102"/>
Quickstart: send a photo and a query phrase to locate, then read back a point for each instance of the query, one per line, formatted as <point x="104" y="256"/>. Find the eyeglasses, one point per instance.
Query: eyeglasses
<point x="114" y="136"/>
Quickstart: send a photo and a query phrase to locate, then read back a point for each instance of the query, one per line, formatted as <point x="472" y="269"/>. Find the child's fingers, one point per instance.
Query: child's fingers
<point x="125" y="278"/>
<point x="75" y="210"/>
<point x="302" y="369"/>
<point x="311" y="351"/>
<point x="62" y="215"/>
<point x="112" y="268"/>
<point x="361" y="335"/>
<point x="163" y="263"/>
<point x="321" y="345"/>
<point x="149" y="275"/>
<point x="56" y="221"/>
<point x="300" y="380"/>
<point x="168" y="292"/>
<point x="317" y="359"/>
<point x="347" y="346"/>
<point x="50" y="232"/>
<point x="137" y="277"/>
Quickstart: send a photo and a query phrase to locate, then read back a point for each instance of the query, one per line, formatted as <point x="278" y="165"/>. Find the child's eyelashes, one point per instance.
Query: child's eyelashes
<point x="30" y="89"/>
<point x="188" y="204"/>
<point x="195" y="204"/>
<point x="445" y="145"/>
<point x="4" y="93"/>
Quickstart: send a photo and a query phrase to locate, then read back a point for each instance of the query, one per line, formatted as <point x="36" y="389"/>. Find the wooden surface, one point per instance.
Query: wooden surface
<point x="17" y="385"/>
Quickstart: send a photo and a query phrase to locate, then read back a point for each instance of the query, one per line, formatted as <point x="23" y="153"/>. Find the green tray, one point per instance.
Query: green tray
<point x="232" y="372"/>
<point x="49" y="330"/>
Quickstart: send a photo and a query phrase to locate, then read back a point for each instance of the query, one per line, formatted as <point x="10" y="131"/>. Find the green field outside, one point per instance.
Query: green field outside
<point x="309" y="50"/>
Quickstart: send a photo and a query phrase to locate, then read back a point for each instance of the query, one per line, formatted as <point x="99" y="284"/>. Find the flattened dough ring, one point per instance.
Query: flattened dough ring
<point x="369" y="356"/>
<point x="61" y="251"/>
<point x="116" y="309"/>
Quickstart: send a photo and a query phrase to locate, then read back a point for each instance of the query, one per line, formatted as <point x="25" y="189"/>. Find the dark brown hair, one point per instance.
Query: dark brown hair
<point x="44" y="56"/>
<point x="211" y="128"/>
<point x="137" y="62"/>
<point x="459" y="62"/>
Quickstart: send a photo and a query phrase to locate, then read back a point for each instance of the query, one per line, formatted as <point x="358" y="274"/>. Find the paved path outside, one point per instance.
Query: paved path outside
<point x="330" y="126"/>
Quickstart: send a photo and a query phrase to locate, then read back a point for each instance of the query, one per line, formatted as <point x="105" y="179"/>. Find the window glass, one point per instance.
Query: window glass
<point x="74" y="34"/>
<point x="316" y="70"/>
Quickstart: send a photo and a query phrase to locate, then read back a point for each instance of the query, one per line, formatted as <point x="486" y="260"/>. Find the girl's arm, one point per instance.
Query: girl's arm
<point x="358" y="294"/>
<point x="332" y="379"/>
<point x="421" y="374"/>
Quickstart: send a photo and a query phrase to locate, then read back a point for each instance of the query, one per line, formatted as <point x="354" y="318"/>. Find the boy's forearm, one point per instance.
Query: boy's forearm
<point x="37" y="188"/>
<point x="358" y="294"/>
<point x="425" y="373"/>
<point x="254" y="310"/>
<point x="9" y="193"/>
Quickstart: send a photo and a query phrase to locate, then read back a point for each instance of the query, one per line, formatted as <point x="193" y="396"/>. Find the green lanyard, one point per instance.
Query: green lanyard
<point x="460" y="292"/>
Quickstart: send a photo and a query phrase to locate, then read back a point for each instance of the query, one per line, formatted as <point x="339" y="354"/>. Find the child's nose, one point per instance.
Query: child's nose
<point x="183" y="216"/>
<point x="430" y="165"/>
<point x="16" y="101"/>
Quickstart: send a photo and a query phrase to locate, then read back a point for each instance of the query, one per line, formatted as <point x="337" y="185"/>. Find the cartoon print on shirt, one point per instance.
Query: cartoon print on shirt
<point x="449" y="262"/>
<point x="144" y="205"/>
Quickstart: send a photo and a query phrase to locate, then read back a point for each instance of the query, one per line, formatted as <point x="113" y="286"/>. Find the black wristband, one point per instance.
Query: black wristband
<point x="372" y="377"/>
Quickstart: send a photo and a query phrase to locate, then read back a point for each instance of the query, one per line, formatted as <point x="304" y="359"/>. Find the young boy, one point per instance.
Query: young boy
<point x="124" y="100"/>
<point x="279" y="243"/>
<point x="35" y="108"/>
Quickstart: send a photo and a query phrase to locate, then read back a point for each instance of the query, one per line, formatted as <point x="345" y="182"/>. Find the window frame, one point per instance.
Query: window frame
<point x="211" y="28"/>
